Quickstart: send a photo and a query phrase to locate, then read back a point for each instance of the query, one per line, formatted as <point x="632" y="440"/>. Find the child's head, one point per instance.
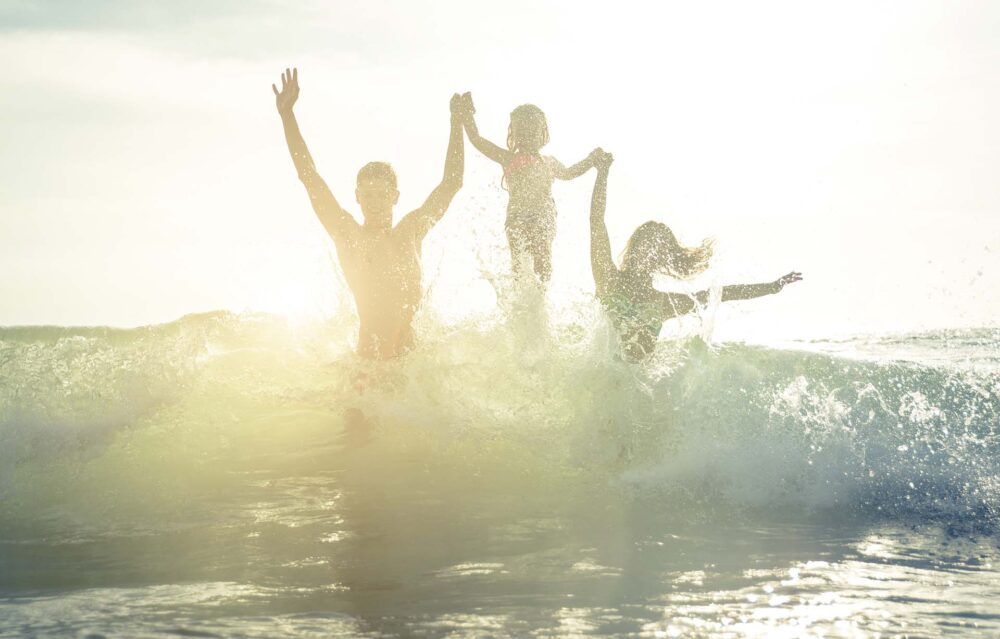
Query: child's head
<point x="654" y="249"/>
<point x="528" y="131"/>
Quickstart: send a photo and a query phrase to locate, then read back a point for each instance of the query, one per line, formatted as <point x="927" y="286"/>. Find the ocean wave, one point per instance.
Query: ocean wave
<point x="159" y="413"/>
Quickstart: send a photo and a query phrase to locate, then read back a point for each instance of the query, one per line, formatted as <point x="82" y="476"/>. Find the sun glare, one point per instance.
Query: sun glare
<point x="301" y="289"/>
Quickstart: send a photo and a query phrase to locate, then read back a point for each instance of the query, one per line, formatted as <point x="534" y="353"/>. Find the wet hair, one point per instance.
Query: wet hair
<point x="377" y="171"/>
<point x="681" y="262"/>
<point x="526" y="118"/>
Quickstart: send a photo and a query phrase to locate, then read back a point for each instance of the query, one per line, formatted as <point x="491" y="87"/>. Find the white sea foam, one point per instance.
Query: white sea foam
<point x="168" y="407"/>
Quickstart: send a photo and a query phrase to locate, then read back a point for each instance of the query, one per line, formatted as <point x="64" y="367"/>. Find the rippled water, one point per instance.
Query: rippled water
<point x="195" y="479"/>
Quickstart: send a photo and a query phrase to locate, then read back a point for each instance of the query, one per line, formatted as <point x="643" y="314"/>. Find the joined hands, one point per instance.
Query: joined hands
<point x="461" y="106"/>
<point x="602" y="159"/>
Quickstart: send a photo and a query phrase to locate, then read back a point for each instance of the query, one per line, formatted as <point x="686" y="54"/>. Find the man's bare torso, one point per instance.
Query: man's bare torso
<point x="381" y="263"/>
<point x="382" y="267"/>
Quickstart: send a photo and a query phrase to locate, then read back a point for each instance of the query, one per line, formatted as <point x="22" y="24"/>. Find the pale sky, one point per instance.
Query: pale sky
<point x="145" y="176"/>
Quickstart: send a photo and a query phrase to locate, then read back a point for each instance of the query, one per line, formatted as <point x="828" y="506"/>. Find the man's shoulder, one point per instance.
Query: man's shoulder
<point x="411" y="226"/>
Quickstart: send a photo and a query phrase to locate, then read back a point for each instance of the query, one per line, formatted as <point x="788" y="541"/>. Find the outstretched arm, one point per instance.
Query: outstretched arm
<point x="421" y="220"/>
<point x="676" y="304"/>
<point x="735" y="292"/>
<point x="492" y="151"/>
<point x="578" y="169"/>
<point x="601" y="263"/>
<point x="335" y="220"/>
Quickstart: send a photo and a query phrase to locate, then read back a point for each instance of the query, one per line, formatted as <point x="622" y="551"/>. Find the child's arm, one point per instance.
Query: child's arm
<point x="562" y="173"/>
<point x="675" y="304"/>
<point x="335" y="220"/>
<point x="601" y="263"/>
<point x="492" y="151"/>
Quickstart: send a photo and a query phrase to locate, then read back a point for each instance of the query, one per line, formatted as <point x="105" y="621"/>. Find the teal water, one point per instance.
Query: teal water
<point x="195" y="479"/>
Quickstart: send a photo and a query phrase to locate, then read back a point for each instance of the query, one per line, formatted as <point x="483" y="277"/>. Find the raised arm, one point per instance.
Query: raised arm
<point x="335" y="220"/>
<point x="601" y="263"/>
<point x="578" y="169"/>
<point x="492" y="151"/>
<point x="423" y="219"/>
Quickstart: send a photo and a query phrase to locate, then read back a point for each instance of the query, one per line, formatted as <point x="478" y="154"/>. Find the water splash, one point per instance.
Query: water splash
<point x="139" y="421"/>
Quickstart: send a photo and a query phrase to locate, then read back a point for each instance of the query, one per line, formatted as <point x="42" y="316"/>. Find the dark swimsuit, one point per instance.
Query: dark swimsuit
<point x="637" y="324"/>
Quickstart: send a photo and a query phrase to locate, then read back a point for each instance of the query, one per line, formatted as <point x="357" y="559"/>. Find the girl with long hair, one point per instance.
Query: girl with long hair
<point x="638" y="310"/>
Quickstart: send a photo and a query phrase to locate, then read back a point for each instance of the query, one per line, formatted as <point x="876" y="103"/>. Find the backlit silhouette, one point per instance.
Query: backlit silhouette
<point x="381" y="263"/>
<point x="636" y="308"/>
<point x="528" y="176"/>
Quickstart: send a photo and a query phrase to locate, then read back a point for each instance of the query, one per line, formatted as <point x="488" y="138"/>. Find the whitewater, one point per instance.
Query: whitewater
<point x="194" y="478"/>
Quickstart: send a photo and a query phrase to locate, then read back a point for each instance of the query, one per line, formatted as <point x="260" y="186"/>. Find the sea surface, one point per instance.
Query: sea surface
<point x="246" y="476"/>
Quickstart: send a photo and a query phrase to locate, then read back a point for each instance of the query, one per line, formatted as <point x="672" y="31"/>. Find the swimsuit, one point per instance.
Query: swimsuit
<point x="531" y="211"/>
<point x="637" y="324"/>
<point x="631" y="317"/>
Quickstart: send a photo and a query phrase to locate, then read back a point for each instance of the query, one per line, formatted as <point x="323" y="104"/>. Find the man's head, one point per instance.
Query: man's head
<point x="376" y="193"/>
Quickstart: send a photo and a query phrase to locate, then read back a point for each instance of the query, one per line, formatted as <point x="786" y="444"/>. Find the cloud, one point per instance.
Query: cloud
<point x="114" y="15"/>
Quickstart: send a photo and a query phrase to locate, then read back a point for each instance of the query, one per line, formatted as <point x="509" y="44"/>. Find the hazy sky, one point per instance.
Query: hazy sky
<point x="144" y="172"/>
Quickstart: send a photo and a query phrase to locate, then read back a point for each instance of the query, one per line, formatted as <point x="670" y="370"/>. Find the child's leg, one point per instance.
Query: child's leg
<point x="532" y="241"/>
<point x="540" y="238"/>
<point x="541" y="252"/>
<point x="519" y="249"/>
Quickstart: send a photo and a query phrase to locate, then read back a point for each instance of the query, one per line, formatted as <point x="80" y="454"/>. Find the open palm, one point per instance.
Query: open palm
<point x="285" y="99"/>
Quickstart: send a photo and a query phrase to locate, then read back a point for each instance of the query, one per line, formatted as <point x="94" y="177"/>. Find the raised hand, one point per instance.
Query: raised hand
<point x="285" y="99"/>
<point x="785" y="280"/>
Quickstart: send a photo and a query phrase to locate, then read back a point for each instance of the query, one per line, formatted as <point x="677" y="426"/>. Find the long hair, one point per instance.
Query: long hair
<point x="666" y="254"/>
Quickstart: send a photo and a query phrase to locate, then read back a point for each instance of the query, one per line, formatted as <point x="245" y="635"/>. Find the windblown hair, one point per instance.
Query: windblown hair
<point x="526" y="119"/>
<point x="666" y="254"/>
<point x="377" y="171"/>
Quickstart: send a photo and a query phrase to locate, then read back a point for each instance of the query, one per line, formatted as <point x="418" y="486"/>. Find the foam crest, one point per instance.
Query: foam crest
<point x="194" y="407"/>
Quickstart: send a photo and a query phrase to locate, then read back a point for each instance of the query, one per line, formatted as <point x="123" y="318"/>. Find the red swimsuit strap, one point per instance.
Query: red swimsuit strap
<point x="520" y="161"/>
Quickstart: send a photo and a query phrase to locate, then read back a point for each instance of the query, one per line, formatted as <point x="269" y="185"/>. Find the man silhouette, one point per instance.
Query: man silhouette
<point x="380" y="262"/>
